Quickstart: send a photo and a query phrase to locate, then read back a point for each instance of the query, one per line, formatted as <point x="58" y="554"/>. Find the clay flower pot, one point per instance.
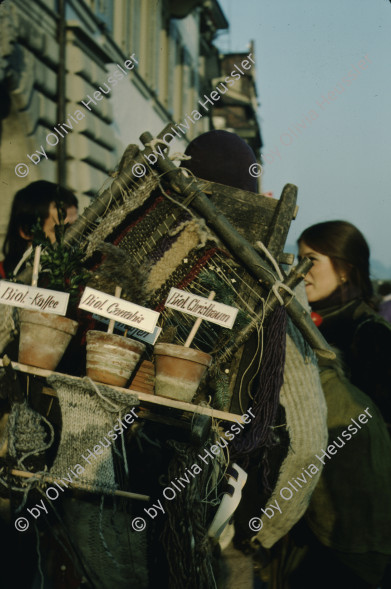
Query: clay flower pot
<point x="44" y="337"/>
<point x="112" y="358"/>
<point x="179" y="371"/>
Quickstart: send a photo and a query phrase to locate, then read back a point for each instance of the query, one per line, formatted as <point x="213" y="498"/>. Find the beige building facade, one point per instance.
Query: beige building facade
<point x="80" y="79"/>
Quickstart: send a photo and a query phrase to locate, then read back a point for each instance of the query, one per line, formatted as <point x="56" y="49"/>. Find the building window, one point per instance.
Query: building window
<point x="173" y="49"/>
<point x="104" y="12"/>
<point x="135" y="26"/>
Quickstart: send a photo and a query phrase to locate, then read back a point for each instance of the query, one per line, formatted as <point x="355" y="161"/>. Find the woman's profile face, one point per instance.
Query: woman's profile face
<point x="72" y="214"/>
<point x="50" y="222"/>
<point x="322" y="280"/>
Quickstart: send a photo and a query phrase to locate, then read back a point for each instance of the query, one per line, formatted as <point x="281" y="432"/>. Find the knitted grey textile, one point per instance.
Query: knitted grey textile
<point x="86" y="420"/>
<point x="113" y="554"/>
<point x="26" y="433"/>
<point x="306" y="415"/>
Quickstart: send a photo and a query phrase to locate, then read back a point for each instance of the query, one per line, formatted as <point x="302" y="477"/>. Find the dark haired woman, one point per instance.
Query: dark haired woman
<point x="339" y="291"/>
<point x="343" y="540"/>
<point x="38" y="200"/>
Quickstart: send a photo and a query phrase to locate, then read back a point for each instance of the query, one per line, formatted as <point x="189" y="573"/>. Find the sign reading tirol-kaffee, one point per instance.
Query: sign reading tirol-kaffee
<point x="32" y="297"/>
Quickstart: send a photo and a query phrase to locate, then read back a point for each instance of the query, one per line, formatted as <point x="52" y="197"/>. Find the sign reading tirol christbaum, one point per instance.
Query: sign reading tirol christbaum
<point x="201" y="307"/>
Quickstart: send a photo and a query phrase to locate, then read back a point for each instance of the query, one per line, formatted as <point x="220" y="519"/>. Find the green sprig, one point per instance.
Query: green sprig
<point x="61" y="266"/>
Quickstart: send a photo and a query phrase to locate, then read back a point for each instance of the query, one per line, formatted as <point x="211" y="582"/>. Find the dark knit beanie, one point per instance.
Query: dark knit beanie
<point x="223" y="157"/>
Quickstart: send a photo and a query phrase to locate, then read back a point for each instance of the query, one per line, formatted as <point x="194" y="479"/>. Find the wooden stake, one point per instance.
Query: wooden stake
<point x="37" y="257"/>
<point x="117" y="294"/>
<point x="197" y="324"/>
<point x="83" y="487"/>
<point x="13" y="388"/>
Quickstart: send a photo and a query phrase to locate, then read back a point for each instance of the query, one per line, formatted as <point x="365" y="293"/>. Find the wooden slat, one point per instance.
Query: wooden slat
<point x="286" y="258"/>
<point x="281" y="221"/>
<point x="146" y="368"/>
<point x="146" y="398"/>
<point x="144" y="379"/>
<point x="89" y="488"/>
<point x="251" y="214"/>
<point x="147" y="371"/>
<point x="142" y="388"/>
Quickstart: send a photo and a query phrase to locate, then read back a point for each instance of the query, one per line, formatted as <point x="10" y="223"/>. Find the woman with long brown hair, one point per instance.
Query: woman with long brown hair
<point x="343" y="540"/>
<point x="38" y="201"/>
<point x="339" y="290"/>
<point x="345" y="531"/>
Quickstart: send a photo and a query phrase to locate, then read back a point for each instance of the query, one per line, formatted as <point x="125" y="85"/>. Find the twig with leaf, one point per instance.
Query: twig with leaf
<point x="61" y="267"/>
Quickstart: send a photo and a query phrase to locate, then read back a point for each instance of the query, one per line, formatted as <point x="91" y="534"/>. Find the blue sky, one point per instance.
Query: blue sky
<point x="341" y="160"/>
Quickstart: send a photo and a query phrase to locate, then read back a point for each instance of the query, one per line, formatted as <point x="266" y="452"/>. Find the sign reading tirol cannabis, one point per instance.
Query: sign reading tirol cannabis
<point x="122" y="311"/>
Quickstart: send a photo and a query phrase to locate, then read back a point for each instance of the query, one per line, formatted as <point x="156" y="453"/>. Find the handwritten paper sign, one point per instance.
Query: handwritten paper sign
<point x="180" y="300"/>
<point x="144" y="336"/>
<point x="32" y="297"/>
<point x="112" y="307"/>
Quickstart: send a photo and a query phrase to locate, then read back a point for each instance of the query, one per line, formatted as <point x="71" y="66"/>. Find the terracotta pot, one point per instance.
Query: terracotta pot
<point x="44" y="337"/>
<point x="112" y="358"/>
<point x="179" y="371"/>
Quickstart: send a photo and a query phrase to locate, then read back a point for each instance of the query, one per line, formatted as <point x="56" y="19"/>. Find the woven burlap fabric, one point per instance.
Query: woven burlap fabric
<point x="306" y="416"/>
<point x="188" y="238"/>
<point x="86" y="420"/>
<point x="117" y="211"/>
<point x="9" y="327"/>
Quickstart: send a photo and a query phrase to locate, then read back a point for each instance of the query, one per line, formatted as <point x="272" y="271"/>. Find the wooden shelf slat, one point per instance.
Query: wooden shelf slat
<point x="146" y="398"/>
